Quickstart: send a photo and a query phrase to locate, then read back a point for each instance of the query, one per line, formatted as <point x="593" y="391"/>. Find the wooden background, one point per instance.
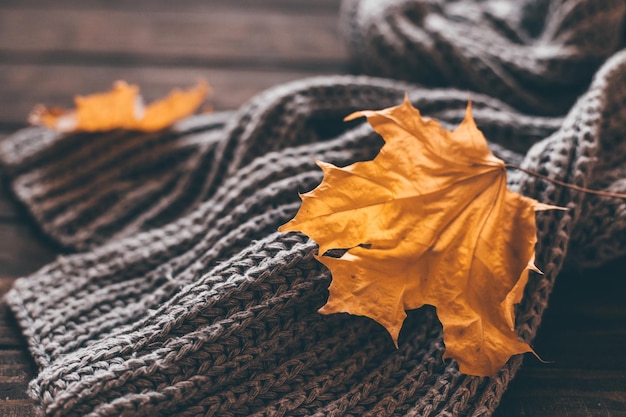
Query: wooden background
<point x="51" y="50"/>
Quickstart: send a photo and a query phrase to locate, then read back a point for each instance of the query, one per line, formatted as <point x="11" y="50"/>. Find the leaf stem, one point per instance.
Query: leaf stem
<point x="570" y="186"/>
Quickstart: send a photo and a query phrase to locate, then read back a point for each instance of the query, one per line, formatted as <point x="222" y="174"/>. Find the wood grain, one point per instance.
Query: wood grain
<point x="23" y="86"/>
<point x="17" y="408"/>
<point x="223" y="36"/>
<point x="303" y="7"/>
<point x="16" y="367"/>
<point x="23" y="248"/>
<point x="8" y="212"/>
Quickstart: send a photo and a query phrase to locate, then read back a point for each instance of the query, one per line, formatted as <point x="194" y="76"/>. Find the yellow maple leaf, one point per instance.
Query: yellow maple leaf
<point x="121" y="108"/>
<point x="428" y="221"/>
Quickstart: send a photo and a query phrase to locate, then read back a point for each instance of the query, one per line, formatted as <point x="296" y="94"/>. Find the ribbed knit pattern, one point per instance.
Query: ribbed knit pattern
<point x="538" y="55"/>
<point x="189" y="303"/>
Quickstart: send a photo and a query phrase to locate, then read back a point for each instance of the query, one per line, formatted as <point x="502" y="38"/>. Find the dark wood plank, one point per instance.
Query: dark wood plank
<point x="224" y="36"/>
<point x="23" y="249"/>
<point x="556" y="393"/>
<point x="299" y="6"/>
<point x="9" y="333"/>
<point x="8" y="211"/>
<point x="16" y="366"/>
<point x="10" y="338"/>
<point x="583" y="338"/>
<point x="17" y="408"/>
<point x="23" y="86"/>
<point x="16" y="370"/>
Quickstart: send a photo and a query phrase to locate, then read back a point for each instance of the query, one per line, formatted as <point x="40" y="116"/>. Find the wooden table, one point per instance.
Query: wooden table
<point x="52" y="50"/>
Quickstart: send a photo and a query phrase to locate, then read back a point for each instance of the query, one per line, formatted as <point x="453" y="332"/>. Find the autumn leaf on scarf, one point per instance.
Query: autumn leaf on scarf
<point x="121" y="108"/>
<point x="428" y="221"/>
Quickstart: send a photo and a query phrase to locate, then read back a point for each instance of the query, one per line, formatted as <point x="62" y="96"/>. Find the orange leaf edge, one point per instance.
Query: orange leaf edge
<point x="120" y="108"/>
<point x="515" y="294"/>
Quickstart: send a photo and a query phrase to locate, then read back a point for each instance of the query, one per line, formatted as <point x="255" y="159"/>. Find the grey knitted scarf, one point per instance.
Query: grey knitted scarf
<point x="184" y="300"/>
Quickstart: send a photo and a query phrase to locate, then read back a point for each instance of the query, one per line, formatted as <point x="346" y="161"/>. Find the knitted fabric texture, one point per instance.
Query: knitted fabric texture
<point x="538" y="55"/>
<point x="187" y="302"/>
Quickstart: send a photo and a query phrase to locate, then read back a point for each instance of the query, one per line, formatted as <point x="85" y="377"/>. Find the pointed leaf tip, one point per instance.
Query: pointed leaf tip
<point x="465" y="251"/>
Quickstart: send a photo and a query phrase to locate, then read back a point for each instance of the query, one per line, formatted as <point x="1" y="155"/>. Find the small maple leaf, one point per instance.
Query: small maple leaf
<point x="428" y="221"/>
<point x="121" y="108"/>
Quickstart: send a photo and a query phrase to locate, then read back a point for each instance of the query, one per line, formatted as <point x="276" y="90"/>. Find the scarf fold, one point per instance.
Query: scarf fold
<point x="537" y="55"/>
